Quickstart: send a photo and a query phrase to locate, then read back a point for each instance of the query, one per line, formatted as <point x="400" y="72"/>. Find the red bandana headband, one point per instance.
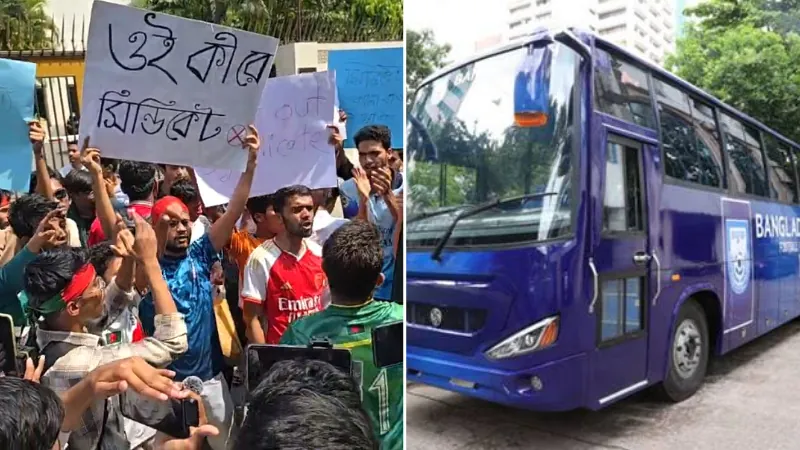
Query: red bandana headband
<point x="80" y="282"/>
<point x="160" y="207"/>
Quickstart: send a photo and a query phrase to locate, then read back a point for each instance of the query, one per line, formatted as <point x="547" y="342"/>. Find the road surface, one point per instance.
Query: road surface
<point x="751" y="400"/>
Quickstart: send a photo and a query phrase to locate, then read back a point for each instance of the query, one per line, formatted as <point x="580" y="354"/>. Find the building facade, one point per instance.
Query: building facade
<point x="646" y="27"/>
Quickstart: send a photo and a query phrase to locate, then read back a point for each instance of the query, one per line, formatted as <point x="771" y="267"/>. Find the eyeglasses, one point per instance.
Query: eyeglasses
<point x="61" y="194"/>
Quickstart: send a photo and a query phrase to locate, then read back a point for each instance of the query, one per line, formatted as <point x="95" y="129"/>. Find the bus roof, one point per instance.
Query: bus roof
<point x="591" y="39"/>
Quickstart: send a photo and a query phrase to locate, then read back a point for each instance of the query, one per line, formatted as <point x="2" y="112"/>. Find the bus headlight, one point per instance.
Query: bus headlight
<point x="540" y="335"/>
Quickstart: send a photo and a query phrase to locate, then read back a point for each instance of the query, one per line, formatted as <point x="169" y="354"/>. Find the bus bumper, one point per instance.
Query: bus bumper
<point x="560" y="383"/>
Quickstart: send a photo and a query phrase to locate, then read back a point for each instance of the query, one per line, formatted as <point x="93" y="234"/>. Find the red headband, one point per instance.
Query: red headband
<point x="5" y="200"/>
<point x="160" y="207"/>
<point x="80" y="282"/>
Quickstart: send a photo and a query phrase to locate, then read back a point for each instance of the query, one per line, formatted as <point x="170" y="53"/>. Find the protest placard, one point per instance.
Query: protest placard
<point x="17" y="81"/>
<point x="370" y="84"/>
<point x="163" y="89"/>
<point x="292" y="119"/>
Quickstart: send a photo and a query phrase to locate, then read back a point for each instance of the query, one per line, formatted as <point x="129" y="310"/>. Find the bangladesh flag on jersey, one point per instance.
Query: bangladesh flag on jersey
<point x="351" y="328"/>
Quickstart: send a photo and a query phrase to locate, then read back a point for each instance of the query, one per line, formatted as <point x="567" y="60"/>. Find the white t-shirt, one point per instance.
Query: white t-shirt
<point x="199" y="228"/>
<point x="324" y="225"/>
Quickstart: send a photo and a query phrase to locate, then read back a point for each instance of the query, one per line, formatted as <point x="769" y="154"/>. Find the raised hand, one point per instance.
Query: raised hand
<point x="124" y="243"/>
<point x="49" y="233"/>
<point x="90" y="157"/>
<point x="36" y="135"/>
<point x="335" y="139"/>
<point x="362" y="182"/>
<point x="252" y="143"/>
<point x="146" y="244"/>
<point x="381" y="180"/>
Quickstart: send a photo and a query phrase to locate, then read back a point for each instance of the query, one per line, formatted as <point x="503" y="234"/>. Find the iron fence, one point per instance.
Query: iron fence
<point x="56" y="104"/>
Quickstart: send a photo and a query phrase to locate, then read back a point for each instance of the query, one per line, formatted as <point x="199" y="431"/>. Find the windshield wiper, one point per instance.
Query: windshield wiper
<point x="437" y="252"/>
<point x="428" y="214"/>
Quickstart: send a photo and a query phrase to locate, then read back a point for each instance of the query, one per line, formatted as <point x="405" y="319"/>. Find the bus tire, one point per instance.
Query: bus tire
<point x="689" y="351"/>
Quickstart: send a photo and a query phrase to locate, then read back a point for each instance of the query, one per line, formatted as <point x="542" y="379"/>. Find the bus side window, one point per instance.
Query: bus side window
<point x="622" y="201"/>
<point x="782" y="170"/>
<point x="747" y="171"/>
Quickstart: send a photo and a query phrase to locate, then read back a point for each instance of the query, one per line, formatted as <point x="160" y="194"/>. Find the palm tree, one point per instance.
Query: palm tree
<point x="25" y="25"/>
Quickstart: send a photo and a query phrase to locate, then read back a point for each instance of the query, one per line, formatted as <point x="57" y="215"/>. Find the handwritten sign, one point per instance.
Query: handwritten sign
<point x="292" y="118"/>
<point x="17" y="81"/>
<point x="163" y="89"/>
<point x="370" y="86"/>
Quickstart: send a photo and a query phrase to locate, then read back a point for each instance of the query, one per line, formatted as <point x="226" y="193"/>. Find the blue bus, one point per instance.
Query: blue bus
<point x="583" y="225"/>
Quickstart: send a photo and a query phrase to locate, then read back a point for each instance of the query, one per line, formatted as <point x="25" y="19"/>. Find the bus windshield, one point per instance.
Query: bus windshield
<point x="473" y="138"/>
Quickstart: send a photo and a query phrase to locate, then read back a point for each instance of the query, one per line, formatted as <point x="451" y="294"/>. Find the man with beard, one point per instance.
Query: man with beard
<point x="283" y="279"/>
<point x="373" y="195"/>
<point x="187" y="269"/>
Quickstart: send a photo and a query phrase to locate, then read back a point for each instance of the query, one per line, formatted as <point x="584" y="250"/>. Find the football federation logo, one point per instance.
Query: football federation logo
<point x="436" y="317"/>
<point x="738" y="243"/>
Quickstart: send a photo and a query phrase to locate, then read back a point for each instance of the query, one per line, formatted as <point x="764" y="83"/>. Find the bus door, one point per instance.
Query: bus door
<point x="622" y="261"/>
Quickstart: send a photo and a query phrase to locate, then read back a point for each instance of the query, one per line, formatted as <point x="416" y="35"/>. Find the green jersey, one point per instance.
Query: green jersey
<point x="351" y="328"/>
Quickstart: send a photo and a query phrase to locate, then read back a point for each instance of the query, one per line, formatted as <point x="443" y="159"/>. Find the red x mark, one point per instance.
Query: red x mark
<point x="236" y="135"/>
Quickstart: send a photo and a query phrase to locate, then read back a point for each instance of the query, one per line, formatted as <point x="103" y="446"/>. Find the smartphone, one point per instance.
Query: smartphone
<point x="387" y="344"/>
<point x="189" y="417"/>
<point x="173" y="417"/>
<point x="8" y="345"/>
<point x="261" y="358"/>
<point x="122" y="210"/>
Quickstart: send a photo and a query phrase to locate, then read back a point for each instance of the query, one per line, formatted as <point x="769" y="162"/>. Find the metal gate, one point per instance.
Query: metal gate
<point x="56" y="105"/>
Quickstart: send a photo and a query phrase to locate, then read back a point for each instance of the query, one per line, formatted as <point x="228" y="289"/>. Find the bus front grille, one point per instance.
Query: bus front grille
<point x="464" y="320"/>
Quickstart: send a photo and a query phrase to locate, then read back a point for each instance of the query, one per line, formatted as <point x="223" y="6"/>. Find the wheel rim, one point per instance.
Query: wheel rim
<point x="687" y="349"/>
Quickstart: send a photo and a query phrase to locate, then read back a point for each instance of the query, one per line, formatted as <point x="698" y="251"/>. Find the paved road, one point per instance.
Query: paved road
<point x="751" y="400"/>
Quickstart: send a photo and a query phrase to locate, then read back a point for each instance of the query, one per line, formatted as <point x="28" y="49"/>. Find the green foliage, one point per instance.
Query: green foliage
<point x="337" y="19"/>
<point x="423" y="57"/>
<point x="24" y="25"/>
<point x="746" y="54"/>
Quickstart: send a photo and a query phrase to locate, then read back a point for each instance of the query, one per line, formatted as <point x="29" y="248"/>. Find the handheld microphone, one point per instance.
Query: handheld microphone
<point x="194" y="384"/>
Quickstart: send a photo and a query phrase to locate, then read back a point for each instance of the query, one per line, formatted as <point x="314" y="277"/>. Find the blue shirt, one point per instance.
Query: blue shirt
<point x="379" y="214"/>
<point x="189" y="281"/>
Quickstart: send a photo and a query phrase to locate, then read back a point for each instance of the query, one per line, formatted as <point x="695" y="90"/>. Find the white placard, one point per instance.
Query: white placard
<point x="292" y="119"/>
<point x="336" y="122"/>
<point x="163" y="89"/>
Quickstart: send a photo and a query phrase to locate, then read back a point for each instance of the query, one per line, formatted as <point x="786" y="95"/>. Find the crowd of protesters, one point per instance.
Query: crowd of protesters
<point x="124" y="281"/>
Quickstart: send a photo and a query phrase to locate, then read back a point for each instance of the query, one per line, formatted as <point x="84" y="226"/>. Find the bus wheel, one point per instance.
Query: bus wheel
<point x="688" y="354"/>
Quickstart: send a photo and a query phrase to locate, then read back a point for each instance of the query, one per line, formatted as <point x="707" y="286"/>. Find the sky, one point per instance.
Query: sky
<point x="459" y="23"/>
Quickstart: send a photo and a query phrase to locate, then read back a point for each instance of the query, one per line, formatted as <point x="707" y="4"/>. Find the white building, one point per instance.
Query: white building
<point x="646" y="27"/>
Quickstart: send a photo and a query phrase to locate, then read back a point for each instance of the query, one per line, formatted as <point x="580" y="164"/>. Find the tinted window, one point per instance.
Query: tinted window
<point x="747" y="172"/>
<point x="691" y="145"/>
<point x="781" y="166"/>
<point x="621" y="305"/>
<point x="622" y="202"/>
<point x="621" y="90"/>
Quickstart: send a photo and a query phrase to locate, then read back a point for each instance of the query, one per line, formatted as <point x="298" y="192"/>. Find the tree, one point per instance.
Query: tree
<point x="423" y="57"/>
<point x="338" y="19"/>
<point x="744" y="53"/>
<point x="25" y="25"/>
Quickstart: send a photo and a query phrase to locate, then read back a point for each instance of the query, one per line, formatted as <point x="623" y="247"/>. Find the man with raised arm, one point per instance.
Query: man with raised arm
<point x="186" y="267"/>
<point x="65" y="296"/>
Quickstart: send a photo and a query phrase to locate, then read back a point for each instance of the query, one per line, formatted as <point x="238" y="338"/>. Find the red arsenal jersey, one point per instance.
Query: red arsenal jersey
<point x="288" y="286"/>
